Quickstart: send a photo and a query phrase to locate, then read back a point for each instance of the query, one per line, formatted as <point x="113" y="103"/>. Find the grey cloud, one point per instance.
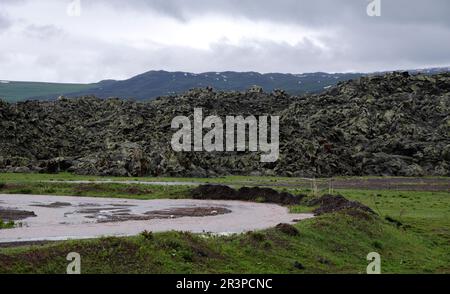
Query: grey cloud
<point x="268" y="56"/>
<point x="409" y="34"/>
<point x="305" y="12"/>
<point x="43" y="31"/>
<point x="11" y="2"/>
<point x="5" y="22"/>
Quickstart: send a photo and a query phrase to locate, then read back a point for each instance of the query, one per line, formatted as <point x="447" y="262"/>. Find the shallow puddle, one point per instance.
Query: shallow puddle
<point x="64" y="217"/>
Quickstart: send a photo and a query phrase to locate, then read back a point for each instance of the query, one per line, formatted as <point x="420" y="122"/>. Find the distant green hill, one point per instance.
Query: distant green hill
<point x="19" y="91"/>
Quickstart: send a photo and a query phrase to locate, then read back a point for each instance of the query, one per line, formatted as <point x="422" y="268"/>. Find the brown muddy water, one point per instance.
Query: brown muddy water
<point x="64" y="217"/>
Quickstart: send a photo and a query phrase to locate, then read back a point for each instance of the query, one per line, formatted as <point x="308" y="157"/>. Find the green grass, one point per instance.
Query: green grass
<point x="65" y="176"/>
<point x="426" y="213"/>
<point x="143" y="192"/>
<point x="20" y="91"/>
<point x="332" y="243"/>
<point x="6" y="225"/>
<point x="298" y="183"/>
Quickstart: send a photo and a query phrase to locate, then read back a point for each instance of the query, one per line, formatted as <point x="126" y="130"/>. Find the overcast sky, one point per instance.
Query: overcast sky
<point x="40" y="40"/>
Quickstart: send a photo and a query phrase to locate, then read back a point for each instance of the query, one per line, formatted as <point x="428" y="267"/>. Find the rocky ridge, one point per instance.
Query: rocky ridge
<point x="397" y="124"/>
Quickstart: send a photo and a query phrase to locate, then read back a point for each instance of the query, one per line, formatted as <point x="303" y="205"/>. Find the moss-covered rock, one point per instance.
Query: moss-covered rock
<point x="395" y="124"/>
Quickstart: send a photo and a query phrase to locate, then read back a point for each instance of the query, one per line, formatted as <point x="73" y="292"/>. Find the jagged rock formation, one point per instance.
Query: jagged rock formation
<point x="395" y="124"/>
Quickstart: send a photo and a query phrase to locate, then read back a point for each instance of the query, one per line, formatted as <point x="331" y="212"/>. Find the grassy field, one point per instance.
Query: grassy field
<point x="266" y="180"/>
<point x="411" y="233"/>
<point x="20" y="91"/>
<point x="400" y="183"/>
<point x="112" y="190"/>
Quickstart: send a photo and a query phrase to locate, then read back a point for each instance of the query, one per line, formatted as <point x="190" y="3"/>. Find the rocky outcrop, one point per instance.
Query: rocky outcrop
<point x="395" y="124"/>
<point x="392" y="125"/>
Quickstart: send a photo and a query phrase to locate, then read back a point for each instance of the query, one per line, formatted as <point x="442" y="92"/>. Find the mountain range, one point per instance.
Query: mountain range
<point x="153" y="84"/>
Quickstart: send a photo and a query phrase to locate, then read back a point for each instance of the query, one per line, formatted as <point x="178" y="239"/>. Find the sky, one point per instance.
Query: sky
<point x="83" y="41"/>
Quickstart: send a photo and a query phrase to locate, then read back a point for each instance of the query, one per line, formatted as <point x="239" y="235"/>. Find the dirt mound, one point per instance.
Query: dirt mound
<point x="221" y="192"/>
<point x="14" y="215"/>
<point x="288" y="229"/>
<point x="214" y="192"/>
<point x="268" y="195"/>
<point x="121" y="215"/>
<point x="188" y="211"/>
<point x="334" y="203"/>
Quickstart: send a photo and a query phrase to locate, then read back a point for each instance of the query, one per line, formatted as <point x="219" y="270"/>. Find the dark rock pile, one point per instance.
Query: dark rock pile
<point x="221" y="192"/>
<point x="395" y="124"/>
<point x="335" y="203"/>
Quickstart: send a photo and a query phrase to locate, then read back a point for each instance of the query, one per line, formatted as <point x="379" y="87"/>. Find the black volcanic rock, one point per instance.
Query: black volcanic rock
<point x="395" y="124"/>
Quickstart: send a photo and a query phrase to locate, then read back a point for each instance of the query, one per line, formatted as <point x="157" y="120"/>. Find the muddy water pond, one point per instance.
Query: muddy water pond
<point x="64" y="217"/>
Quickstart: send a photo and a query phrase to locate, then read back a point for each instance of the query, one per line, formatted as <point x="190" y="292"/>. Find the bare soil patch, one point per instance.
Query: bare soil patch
<point x="14" y="214"/>
<point x="120" y="215"/>
<point x="54" y="205"/>
<point x="96" y="210"/>
<point x="335" y="203"/>
<point x="191" y="211"/>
